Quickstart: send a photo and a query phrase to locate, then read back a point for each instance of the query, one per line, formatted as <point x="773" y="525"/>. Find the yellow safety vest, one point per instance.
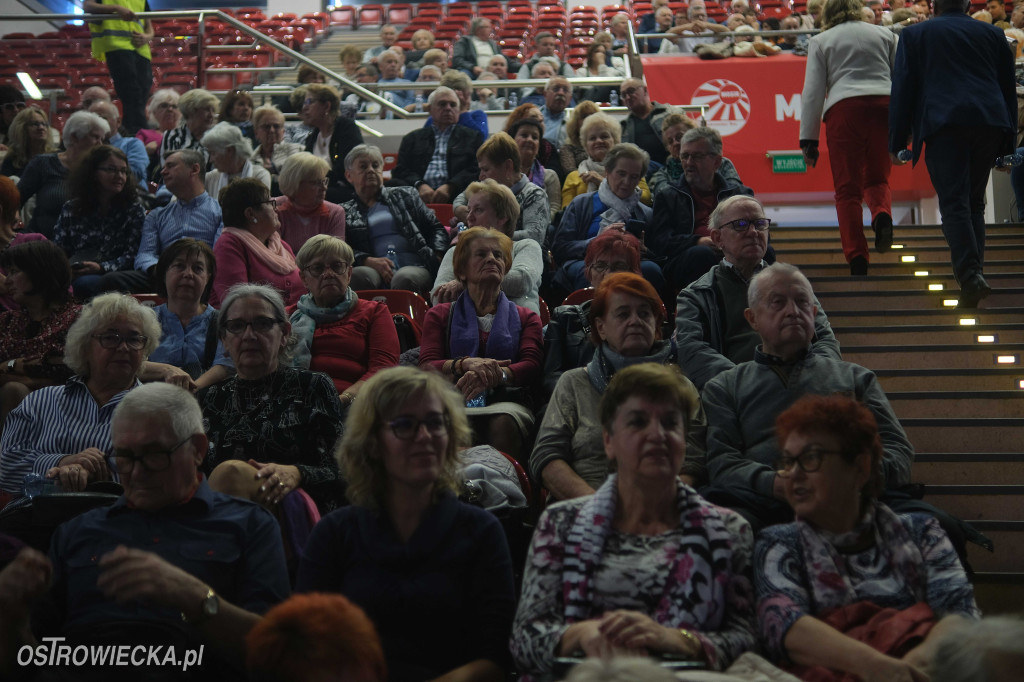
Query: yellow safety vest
<point x="116" y="34"/>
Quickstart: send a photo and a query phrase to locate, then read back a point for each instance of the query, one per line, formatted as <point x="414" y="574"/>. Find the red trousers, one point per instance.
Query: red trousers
<point x="857" y="132"/>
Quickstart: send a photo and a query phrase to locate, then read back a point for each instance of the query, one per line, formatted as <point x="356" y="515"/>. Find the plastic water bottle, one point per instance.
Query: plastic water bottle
<point x="513" y="99"/>
<point x="1009" y="161"/>
<point x="35" y="485"/>
<point x="419" y="102"/>
<point x="904" y="155"/>
<point x="388" y="113"/>
<point x="392" y="255"/>
<point x="613" y="98"/>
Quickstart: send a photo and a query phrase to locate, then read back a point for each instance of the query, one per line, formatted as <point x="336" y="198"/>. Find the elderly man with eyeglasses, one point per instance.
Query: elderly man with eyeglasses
<point x="171" y="564"/>
<point x="712" y="333"/>
<point x="679" y="230"/>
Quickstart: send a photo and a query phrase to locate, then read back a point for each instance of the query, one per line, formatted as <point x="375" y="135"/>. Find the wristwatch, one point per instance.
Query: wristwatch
<point x="209" y="607"/>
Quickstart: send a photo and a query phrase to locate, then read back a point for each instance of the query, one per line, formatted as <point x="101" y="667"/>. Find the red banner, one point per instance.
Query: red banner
<point x="755" y="105"/>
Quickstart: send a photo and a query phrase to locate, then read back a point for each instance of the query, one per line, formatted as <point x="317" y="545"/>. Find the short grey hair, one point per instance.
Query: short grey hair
<point x="161" y="96"/>
<point x="191" y="157"/>
<point x="476" y="23"/>
<point x="715" y="220"/>
<point x="264" y="292"/>
<point x="692" y="9"/>
<point x="298" y="167"/>
<point x="389" y="52"/>
<point x="761" y="279"/>
<point x="965" y="652"/>
<point x="266" y="111"/>
<point x="167" y="401"/>
<point x="324" y="245"/>
<point x="626" y="150"/>
<point x="442" y="90"/>
<point x="194" y="100"/>
<point x="430" y="68"/>
<point x="101" y="312"/>
<point x="499" y="56"/>
<point x="551" y="82"/>
<point x="361" y="150"/>
<point x="81" y="124"/>
<point x="709" y="135"/>
<point x="224" y="136"/>
<point x="619" y="18"/>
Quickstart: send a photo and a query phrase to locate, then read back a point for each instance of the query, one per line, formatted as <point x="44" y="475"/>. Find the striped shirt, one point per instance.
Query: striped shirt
<point x="199" y="218"/>
<point x="437" y="170"/>
<point x="50" y="424"/>
<point x="181" y="138"/>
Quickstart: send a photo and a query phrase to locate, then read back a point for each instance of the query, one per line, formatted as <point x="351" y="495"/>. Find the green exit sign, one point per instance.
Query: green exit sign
<point x="788" y="163"/>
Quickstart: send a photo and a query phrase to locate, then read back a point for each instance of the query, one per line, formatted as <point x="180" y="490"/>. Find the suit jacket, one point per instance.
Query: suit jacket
<point x="951" y="71"/>
<point x="346" y="135"/>
<point x="418" y="146"/>
<point x="464" y="54"/>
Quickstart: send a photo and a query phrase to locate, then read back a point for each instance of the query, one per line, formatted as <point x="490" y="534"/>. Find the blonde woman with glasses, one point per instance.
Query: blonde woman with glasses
<point x="303" y="210"/>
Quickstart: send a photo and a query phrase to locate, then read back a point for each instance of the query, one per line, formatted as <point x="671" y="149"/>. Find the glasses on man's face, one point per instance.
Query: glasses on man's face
<point x="604" y="266"/>
<point x="406" y="428"/>
<point x="696" y="156"/>
<point x="14" y="106"/>
<point x="337" y="267"/>
<point x="743" y="224"/>
<point x="260" y="325"/>
<point x="809" y="461"/>
<point x="111" y="340"/>
<point x="153" y="462"/>
<point x="113" y="170"/>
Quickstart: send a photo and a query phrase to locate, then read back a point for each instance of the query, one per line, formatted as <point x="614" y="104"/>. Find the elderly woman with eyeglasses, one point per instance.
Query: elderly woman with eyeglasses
<point x="46" y="176"/>
<point x="433" y="573"/>
<point x="199" y="113"/>
<point x="303" y="210"/>
<point x="850" y="589"/>
<point x="63" y="432"/>
<point x="272" y="150"/>
<point x="334" y="135"/>
<point x="230" y="152"/>
<point x="28" y="136"/>
<point x="347" y="338"/>
<point x="251" y="249"/>
<point x="164" y="115"/>
<point x="272" y="428"/>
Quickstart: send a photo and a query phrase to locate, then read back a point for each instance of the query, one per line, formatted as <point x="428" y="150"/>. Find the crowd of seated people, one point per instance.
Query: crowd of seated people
<point x="630" y="423"/>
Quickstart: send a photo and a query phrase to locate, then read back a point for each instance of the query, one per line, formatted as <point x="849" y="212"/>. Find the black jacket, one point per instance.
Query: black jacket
<point x="346" y="136"/>
<point x="418" y="146"/>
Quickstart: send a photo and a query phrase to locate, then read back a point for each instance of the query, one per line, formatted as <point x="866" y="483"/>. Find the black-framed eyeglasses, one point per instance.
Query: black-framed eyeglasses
<point x="604" y="266"/>
<point x="153" y="462"/>
<point x="272" y="202"/>
<point x="338" y="267"/>
<point x="260" y="325"/>
<point x="742" y="225"/>
<point x="809" y="461"/>
<point x="406" y="428"/>
<point x="111" y="340"/>
<point x="114" y="170"/>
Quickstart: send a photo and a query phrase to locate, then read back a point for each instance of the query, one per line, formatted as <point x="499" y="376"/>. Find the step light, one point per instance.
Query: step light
<point x="897" y="246"/>
<point x="935" y="287"/>
<point x="968" y="321"/>
<point x="1020" y="383"/>
<point x="949" y="302"/>
<point x="1007" y="359"/>
<point x="987" y="338"/>
<point x="920" y="273"/>
<point x="908" y="259"/>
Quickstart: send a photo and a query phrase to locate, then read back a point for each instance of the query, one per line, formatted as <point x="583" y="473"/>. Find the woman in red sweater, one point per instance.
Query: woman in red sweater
<point x="347" y="338"/>
<point x="488" y="346"/>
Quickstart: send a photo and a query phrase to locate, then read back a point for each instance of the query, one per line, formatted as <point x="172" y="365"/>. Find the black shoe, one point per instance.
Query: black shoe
<point x="882" y="225"/>
<point x="859" y="266"/>
<point x="973" y="290"/>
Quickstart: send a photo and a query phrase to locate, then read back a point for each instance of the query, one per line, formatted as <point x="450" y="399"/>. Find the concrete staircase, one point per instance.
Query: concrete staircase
<point x="955" y="378"/>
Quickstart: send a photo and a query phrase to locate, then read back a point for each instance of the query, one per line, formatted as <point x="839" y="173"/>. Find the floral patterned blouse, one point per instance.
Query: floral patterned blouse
<point x="804" y="571"/>
<point x="291" y="417"/>
<point x="712" y="595"/>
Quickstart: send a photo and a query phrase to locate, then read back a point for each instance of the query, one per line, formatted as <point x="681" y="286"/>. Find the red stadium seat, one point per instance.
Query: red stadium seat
<point x="343" y="15"/>
<point x="399" y="13"/>
<point x="371" y="15"/>
<point x="399" y="301"/>
<point x="579" y="296"/>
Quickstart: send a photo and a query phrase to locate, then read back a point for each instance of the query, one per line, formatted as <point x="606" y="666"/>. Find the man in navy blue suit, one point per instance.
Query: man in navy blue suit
<point x="953" y="89"/>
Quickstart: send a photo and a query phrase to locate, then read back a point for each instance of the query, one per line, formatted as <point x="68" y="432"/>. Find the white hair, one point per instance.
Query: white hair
<point x="80" y="124"/>
<point x="225" y="136"/>
<point x="441" y="91"/>
<point x="169" y="402"/>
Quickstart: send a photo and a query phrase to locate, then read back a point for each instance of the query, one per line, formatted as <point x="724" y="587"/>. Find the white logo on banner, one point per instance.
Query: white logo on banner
<point x="728" y="105"/>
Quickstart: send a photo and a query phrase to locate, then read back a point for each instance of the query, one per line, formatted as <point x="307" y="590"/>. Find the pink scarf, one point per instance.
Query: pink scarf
<point x="272" y="254"/>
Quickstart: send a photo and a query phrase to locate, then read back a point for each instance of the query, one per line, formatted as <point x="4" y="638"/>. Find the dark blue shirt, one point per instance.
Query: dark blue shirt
<point x="232" y="545"/>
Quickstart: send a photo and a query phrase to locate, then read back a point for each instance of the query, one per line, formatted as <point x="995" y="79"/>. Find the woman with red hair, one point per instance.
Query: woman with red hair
<point x="850" y="589"/>
<point x="569" y="456"/>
